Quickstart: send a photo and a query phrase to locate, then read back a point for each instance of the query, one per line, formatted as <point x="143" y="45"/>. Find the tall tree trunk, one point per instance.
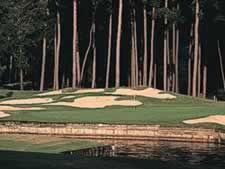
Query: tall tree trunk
<point x="58" y="44"/>
<point x="177" y="58"/>
<point x="118" y="42"/>
<point x="155" y="75"/>
<point x="205" y="81"/>
<point x="63" y="80"/>
<point x="78" y="61"/>
<point x="221" y="63"/>
<point x="93" y="84"/>
<point x="133" y="66"/>
<point x="199" y="69"/>
<point x="21" y="79"/>
<point x="145" y="66"/>
<point x="74" y="71"/>
<point x="174" y="58"/>
<point x="109" y="52"/>
<point x="190" y="52"/>
<point x="165" y="51"/>
<point x="195" y="71"/>
<point x="169" y="77"/>
<point x="10" y="68"/>
<point x="43" y="65"/>
<point x="67" y="82"/>
<point x="135" y="48"/>
<point x="58" y="48"/>
<point x="86" y="53"/>
<point x="152" y="48"/>
<point x="55" y="56"/>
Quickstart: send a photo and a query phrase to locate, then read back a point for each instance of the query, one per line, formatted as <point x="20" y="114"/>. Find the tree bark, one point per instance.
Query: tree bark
<point x="205" y="81"/>
<point x="133" y="67"/>
<point x="74" y="71"/>
<point x="155" y="75"/>
<point x="86" y="53"/>
<point x="145" y="66"/>
<point x="165" y="51"/>
<point x="10" y="68"/>
<point x="21" y="79"/>
<point x="169" y="77"/>
<point x="109" y="52"/>
<point x="177" y="59"/>
<point x="152" y="48"/>
<point x="174" y="58"/>
<point x="55" y="56"/>
<point x="78" y="61"/>
<point x="135" y="48"/>
<point x="196" y="46"/>
<point x="57" y="52"/>
<point x="190" y="52"/>
<point x="43" y="65"/>
<point x="93" y="84"/>
<point x="58" y="48"/>
<point x="199" y="70"/>
<point x="221" y="63"/>
<point x="118" y="42"/>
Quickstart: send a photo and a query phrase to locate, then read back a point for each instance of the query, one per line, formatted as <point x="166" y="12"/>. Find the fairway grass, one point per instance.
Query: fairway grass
<point x="165" y="112"/>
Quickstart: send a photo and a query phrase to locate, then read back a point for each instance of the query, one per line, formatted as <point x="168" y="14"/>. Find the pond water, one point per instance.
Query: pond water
<point x="191" y="155"/>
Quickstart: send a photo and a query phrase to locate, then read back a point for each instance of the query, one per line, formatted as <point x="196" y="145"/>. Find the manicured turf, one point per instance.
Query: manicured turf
<point x="154" y="111"/>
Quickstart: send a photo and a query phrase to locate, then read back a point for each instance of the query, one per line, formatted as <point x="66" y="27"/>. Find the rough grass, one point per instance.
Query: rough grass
<point x="153" y="111"/>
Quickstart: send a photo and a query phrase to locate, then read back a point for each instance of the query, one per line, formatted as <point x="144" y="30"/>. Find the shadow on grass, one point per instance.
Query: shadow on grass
<point x="7" y="95"/>
<point x="25" y="160"/>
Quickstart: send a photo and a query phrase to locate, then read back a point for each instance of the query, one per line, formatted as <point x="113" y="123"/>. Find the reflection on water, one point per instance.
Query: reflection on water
<point x="190" y="153"/>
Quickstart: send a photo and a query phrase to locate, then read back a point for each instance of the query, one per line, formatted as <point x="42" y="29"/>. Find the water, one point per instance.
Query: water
<point x="190" y="154"/>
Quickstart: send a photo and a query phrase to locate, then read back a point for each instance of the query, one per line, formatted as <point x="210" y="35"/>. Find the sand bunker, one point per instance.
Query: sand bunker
<point x="68" y="97"/>
<point x="82" y="91"/>
<point x="11" y="108"/>
<point x="3" y="115"/>
<point x="218" y="119"/>
<point x="57" y="92"/>
<point x="98" y="102"/>
<point x="27" y="101"/>
<point x="149" y="92"/>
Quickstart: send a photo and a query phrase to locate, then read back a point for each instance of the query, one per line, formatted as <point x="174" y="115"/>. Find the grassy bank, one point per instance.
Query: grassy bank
<point x="42" y="144"/>
<point x="44" y="152"/>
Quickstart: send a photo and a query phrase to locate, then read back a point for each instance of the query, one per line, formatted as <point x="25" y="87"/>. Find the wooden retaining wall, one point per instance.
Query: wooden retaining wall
<point x="112" y="131"/>
<point x="100" y="151"/>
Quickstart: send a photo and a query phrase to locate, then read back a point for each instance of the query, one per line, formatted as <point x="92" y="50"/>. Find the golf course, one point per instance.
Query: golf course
<point x="110" y="106"/>
<point x="96" y="106"/>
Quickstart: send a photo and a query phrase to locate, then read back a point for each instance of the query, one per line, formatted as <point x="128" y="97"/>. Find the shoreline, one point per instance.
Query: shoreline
<point x="114" y="131"/>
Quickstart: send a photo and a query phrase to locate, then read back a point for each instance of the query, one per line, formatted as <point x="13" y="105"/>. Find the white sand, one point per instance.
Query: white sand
<point x="57" y="92"/>
<point x="3" y="115"/>
<point x="218" y="119"/>
<point x="11" y="108"/>
<point x="82" y="91"/>
<point x="68" y="97"/>
<point x="149" y="92"/>
<point x="27" y="101"/>
<point x="98" y="102"/>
